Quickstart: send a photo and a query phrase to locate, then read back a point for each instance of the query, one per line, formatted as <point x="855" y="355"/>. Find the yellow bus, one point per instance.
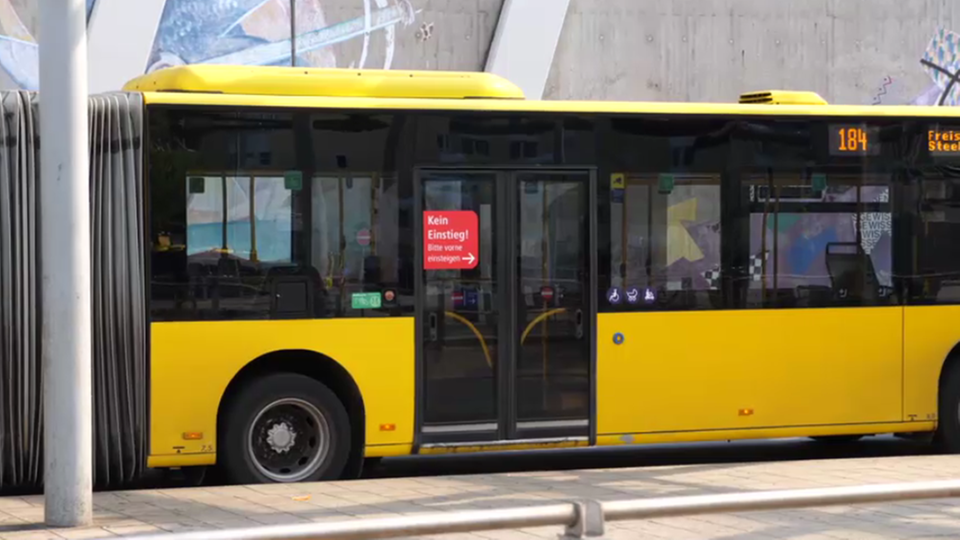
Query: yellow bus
<point x="346" y="264"/>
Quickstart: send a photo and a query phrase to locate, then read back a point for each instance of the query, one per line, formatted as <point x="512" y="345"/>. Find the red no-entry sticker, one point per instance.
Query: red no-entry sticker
<point x="363" y="237"/>
<point x="450" y="240"/>
<point x="546" y="293"/>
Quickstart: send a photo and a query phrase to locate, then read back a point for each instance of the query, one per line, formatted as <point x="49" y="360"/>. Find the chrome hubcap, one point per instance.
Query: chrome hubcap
<point x="281" y="438"/>
<point x="289" y="440"/>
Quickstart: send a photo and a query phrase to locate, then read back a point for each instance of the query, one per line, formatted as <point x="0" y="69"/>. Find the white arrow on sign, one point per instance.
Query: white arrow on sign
<point x="469" y="258"/>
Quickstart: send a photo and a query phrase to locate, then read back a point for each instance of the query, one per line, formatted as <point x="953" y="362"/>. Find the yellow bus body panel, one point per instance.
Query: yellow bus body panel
<point x="930" y="332"/>
<point x="750" y="369"/>
<point x="674" y="437"/>
<point x="193" y="362"/>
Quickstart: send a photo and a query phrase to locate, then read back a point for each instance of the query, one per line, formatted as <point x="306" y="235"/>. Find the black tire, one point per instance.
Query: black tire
<point x="838" y="439"/>
<point x="271" y="432"/>
<point x="947" y="436"/>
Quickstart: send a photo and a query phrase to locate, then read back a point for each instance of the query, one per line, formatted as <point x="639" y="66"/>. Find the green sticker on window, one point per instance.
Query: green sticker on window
<point x="293" y="180"/>
<point x="819" y="182"/>
<point x="665" y="183"/>
<point x="366" y="300"/>
<point x="196" y="185"/>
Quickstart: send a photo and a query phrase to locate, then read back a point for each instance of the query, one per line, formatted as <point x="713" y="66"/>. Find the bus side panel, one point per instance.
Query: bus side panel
<point x="712" y="370"/>
<point x="930" y="333"/>
<point x="193" y="362"/>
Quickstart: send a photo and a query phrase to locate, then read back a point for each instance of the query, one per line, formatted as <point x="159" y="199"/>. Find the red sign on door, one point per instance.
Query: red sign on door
<point x="546" y="293"/>
<point x="363" y="237"/>
<point x="450" y="240"/>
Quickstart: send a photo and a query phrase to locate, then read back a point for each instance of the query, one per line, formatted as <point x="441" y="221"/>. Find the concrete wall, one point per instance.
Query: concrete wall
<point x="850" y="51"/>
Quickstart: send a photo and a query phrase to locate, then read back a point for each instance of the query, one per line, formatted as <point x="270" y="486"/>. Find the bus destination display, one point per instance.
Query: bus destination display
<point x="859" y="140"/>
<point x="943" y="141"/>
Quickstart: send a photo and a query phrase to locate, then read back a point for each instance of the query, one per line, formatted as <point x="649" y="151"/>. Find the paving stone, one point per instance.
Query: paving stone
<point x="191" y="509"/>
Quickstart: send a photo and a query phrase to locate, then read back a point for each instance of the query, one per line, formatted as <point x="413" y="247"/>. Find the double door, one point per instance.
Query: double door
<point x="506" y="295"/>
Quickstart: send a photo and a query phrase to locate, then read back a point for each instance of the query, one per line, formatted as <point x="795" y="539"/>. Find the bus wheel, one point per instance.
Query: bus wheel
<point x="947" y="436"/>
<point x="285" y="428"/>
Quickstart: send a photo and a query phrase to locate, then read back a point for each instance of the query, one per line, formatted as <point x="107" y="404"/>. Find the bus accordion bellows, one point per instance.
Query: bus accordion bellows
<point x="297" y="270"/>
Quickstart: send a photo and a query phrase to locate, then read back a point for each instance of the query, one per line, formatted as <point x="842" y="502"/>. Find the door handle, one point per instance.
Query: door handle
<point x="432" y="325"/>
<point x="578" y="321"/>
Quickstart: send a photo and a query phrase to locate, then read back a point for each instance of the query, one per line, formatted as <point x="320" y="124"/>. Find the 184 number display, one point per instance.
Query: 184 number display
<point x="852" y="139"/>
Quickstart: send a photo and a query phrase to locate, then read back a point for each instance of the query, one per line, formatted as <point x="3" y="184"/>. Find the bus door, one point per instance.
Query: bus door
<point x="506" y="303"/>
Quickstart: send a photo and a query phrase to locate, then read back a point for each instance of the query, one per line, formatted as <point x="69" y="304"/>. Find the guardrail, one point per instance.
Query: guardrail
<point x="581" y="519"/>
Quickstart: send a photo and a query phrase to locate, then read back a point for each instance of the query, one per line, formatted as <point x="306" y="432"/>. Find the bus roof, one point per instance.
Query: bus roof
<point x="290" y="87"/>
<point x="315" y="82"/>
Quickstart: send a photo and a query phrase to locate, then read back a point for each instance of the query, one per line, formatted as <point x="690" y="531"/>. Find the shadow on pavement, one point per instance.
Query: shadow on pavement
<point x="646" y="456"/>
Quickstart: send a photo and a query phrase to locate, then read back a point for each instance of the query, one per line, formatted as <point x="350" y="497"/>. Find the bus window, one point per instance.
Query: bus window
<point x="283" y="215"/>
<point x="937" y="259"/>
<point x="665" y="239"/>
<point x="819" y="240"/>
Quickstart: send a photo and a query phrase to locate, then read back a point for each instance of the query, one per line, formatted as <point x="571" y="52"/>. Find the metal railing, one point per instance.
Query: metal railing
<point x="581" y="519"/>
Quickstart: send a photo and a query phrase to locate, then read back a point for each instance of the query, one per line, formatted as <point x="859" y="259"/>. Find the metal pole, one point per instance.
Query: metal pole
<point x="65" y="264"/>
<point x="395" y="527"/>
<point x="293" y="33"/>
<point x="778" y="500"/>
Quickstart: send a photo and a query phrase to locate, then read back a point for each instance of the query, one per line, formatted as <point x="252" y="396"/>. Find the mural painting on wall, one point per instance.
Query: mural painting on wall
<point x="941" y="62"/>
<point x="257" y="32"/>
<point x="239" y="32"/>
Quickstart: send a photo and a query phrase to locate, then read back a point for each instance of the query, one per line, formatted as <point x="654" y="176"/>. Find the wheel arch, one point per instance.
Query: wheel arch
<point x="317" y="366"/>
<point x="950" y="363"/>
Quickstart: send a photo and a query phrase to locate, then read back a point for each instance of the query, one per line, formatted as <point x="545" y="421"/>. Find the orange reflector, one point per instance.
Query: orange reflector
<point x="388" y="427"/>
<point x="746" y="412"/>
<point x="192" y="435"/>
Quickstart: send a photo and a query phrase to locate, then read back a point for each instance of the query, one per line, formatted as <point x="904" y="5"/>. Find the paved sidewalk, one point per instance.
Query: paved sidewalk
<point x="138" y="512"/>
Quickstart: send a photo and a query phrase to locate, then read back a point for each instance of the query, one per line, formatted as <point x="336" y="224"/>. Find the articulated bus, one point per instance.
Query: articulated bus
<point x="328" y="266"/>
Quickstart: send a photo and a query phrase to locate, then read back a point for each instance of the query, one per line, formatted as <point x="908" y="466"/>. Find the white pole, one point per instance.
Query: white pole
<point x="65" y="262"/>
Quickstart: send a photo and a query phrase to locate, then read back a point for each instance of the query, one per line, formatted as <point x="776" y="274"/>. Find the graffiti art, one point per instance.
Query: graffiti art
<point x="237" y="32"/>
<point x="941" y="61"/>
<point x="257" y="32"/>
